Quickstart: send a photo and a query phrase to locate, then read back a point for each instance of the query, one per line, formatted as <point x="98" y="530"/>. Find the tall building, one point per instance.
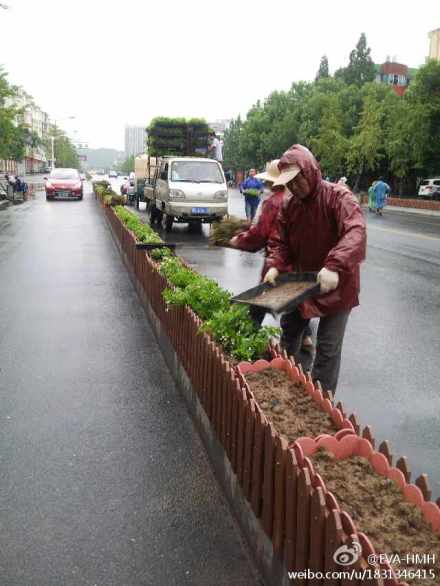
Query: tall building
<point x="434" y="44"/>
<point x="135" y="139"/>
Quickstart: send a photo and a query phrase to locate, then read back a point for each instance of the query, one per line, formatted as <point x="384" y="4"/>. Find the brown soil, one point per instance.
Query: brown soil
<point x="286" y="404"/>
<point x="377" y="507"/>
<point x="278" y="296"/>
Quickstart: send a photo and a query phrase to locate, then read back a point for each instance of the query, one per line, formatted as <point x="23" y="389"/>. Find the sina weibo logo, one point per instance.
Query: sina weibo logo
<point x="347" y="555"/>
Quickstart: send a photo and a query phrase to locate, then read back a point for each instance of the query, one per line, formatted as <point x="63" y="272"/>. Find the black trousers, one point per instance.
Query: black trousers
<point x="330" y="336"/>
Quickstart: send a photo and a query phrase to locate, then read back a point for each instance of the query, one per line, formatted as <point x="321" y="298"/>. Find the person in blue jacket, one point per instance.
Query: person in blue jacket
<point x="381" y="191"/>
<point x="251" y="188"/>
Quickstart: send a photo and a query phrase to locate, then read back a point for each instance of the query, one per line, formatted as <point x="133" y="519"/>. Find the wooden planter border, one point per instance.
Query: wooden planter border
<point x="289" y="518"/>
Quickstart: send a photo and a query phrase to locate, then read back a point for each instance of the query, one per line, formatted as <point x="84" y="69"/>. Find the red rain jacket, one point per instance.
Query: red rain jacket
<point x="326" y="229"/>
<point x="258" y="235"/>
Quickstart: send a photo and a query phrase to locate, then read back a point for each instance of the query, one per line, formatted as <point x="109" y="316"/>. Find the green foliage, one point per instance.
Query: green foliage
<point x="354" y="126"/>
<point x="127" y="166"/>
<point x="229" y="325"/>
<point x="64" y="150"/>
<point x="142" y="232"/>
<point x="177" y="136"/>
<point x="361" y="68"/>
<point x="13" y="137"/>
<point x="235" y="331"/>
<point x="160" y="254"/>
<point x="323" y="70"/>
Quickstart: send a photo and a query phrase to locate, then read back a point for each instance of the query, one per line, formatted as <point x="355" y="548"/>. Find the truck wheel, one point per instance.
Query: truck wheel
<point x="155" y="215"/>
<point x="167" y="222"/>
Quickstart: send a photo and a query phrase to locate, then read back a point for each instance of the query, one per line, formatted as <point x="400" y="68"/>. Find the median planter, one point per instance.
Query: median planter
<point x="290" y="506"/>
<point x="379" y="508"/>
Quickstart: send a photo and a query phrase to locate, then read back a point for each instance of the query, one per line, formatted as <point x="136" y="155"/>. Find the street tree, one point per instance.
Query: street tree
<point x="323" y="70"/>
<point x="360" y="69"/>
<point x="127" y="165"/>
<point x="424" y="97"/>
<point x="367" y="145"/>
<point x="13" y="134"/>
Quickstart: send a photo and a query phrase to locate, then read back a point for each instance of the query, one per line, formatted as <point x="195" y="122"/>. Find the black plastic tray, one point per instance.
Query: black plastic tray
<point x="150" y="245"/>
<point x="281" y="306"/>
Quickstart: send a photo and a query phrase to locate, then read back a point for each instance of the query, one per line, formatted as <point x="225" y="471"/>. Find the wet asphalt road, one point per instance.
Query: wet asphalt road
<point x="103" y="479"/>
<point x="390" y="375"/>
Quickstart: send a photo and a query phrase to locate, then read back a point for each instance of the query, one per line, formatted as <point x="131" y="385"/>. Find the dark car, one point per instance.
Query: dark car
<point x="64" y="184"/>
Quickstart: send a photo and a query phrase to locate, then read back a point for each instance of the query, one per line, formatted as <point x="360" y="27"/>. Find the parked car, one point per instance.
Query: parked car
<point x="112" y="174"/>
<point x="64" y="184"/>
<point x="430" y="188"/>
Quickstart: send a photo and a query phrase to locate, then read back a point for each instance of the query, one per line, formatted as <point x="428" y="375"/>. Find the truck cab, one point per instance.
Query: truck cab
<point x="187" y="190"/>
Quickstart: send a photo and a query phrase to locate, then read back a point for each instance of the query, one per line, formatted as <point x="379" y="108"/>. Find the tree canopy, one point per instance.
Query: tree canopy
<point x="354" y="126"/>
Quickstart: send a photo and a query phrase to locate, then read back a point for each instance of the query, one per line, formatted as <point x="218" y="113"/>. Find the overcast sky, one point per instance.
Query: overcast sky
<point x="111" y="62"/>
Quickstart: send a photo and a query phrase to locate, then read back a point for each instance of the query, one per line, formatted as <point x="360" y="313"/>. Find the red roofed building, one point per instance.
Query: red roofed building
<point x="395" y="74"/>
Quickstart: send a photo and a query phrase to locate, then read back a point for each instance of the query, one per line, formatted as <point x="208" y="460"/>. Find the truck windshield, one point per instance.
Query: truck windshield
<point x="196" y="172"/>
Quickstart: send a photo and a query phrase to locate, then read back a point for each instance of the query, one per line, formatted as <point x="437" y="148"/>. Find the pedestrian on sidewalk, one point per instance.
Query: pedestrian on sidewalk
<point x="252" y="189"/>
<point x="258" y="235"/>
<point x="381" y="191"/>
<point x="320" y="228"/>
<point x="372" y="197"/>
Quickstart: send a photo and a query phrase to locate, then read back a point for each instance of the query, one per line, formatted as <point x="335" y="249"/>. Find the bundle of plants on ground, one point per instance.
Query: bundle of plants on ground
<point x="222" y="232"/>
<point x="178" y="137"/>
<point x="142" y="232"/>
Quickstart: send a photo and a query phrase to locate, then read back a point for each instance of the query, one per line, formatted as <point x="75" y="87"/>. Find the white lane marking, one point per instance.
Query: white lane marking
<point x="403" y="232"/>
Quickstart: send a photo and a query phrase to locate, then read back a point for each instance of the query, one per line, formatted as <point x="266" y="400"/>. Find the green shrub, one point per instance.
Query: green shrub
<point x="159" y="254"/>
<point x="230" y="325"/>
<point x="142" y="232"/>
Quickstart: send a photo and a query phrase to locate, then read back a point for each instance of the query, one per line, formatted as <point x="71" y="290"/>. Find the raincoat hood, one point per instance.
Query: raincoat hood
<point x="301" y="156"/>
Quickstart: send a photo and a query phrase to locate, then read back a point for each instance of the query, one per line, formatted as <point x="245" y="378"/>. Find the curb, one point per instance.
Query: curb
<point x="408" y="211"/>
<point x="258" y="543"/>
<point x="4" y="204"/>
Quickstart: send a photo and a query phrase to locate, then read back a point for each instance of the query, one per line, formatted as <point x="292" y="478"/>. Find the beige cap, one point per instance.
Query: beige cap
<point x="272" y="172"/>
<point x="287" y="175"/>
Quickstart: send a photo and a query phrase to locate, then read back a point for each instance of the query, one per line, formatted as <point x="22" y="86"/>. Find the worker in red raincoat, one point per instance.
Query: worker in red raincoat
<point x="258" y="235"/>
<point x="320" y="228"/>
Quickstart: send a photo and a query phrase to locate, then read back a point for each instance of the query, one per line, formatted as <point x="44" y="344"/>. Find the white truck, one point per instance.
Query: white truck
<point x="185" y="190"/>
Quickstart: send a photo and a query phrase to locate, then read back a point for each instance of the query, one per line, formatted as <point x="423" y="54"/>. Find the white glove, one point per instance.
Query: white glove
<point x="271" y="276"/>
<point x="328" y="280"/>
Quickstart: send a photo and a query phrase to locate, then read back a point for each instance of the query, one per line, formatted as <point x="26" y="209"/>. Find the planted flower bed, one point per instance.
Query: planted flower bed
<point x="308" y="505"/>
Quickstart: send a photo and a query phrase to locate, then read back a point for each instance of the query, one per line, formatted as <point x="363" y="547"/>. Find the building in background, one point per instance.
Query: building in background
<point x="35" y="160"/>
<point x="395" y="74"/>
<point x="135" y="140"/>
<point x="434" y="44"/>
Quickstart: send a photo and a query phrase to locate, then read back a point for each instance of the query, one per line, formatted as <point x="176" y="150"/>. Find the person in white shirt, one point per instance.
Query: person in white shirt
<point x="216" y="148"/>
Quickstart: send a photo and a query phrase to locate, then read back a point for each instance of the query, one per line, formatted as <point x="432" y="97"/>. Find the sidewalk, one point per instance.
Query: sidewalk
<point x="389" y="208"/>
<point x="104" y="480"/>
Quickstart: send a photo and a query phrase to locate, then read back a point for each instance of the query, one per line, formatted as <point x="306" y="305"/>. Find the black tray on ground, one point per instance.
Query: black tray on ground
<point x="152" y="245"/>
<point x="280" y="298"/>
